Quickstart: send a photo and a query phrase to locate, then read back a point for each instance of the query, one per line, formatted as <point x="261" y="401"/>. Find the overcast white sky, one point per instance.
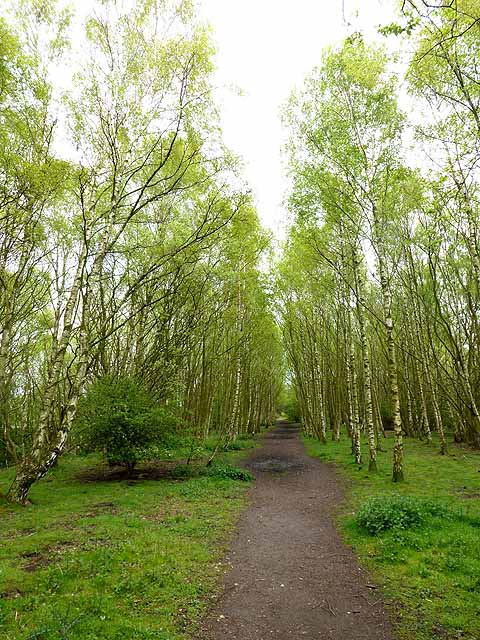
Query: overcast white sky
<point x="266" y="47"/>
<point x="264" y="50"/>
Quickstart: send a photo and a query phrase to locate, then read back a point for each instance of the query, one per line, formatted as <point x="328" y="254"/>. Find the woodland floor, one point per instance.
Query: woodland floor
<point x="291" y="574"/>
<point x="99" y="556"/>
<point x="103" y="557"/>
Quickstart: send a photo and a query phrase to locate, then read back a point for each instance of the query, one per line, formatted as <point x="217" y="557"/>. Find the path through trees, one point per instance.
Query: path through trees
<point x="288" y="574"/>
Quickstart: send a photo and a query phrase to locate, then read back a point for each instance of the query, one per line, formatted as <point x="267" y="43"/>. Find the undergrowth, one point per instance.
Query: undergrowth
<point x="217" y="470"/>
<point x="227" y="471"/>
<point x="397" y="512"/>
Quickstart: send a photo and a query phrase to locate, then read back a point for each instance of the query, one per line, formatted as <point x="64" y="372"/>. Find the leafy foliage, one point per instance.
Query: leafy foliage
<point x="118" y="418"/>
<point x="395" y="512"/>
<point x="185" y="471"/>
<point x="227" y="471"/>
<point x="289" y="405"/>
<point x="219" y="470"/>
<point x="134" y="242"/>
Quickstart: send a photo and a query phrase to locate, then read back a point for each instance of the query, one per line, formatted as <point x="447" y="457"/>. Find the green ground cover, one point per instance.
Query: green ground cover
<point x="114" y="560"/>
<point x="429" y="570"/>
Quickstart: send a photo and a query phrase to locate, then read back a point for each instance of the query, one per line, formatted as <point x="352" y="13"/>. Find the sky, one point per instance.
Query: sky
<point x="265" y="48"/>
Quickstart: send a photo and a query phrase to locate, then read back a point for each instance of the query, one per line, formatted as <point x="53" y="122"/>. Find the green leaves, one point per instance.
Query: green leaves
<point x="226" y="471"/>
<point x="117" y="417"/>
<point x="396" y="512"/>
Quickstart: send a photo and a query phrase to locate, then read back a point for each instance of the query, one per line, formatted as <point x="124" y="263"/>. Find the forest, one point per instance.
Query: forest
<point x="153" y="332"/>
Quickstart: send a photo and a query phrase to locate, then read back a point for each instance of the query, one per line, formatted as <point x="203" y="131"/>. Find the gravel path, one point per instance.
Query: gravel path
<point x="291" y="575"/>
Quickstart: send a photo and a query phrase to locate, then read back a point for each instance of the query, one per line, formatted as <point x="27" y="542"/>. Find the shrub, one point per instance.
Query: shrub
<point x="184" y="471"/>
<point x="395" y="512"/>
<point x="224" y="471"/>
<point x="234" y="446"/>
<point x="246" y="436"/>
<point x="241" y="444"/>
<point x="118" y="418"/>
<point x="217" y="470"/>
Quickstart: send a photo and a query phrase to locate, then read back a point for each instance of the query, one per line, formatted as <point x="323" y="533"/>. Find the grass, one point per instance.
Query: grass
<point x="430" y="573"/>
<point x="113" y="560"/>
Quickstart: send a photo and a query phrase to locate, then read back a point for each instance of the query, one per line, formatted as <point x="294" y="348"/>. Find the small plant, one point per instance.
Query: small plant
<point x="222" y="471"/>
<point x="226" y="471"/>
<point x="246" y="436"/>
<point x="184" y="471"/>
<point x="235" y="446"/>
<point x="240" y="444"/>
<point x="395" y="512"/>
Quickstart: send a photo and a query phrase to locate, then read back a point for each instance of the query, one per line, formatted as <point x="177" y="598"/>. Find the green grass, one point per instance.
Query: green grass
<point x="113" y="560"/>
<point x="242" y="443"/>
<point x="430" y="573"/>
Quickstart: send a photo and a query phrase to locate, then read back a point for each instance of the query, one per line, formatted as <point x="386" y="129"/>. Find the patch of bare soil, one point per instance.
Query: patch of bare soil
<point x="467" y="494"/>
<point x="290" y="575"/>
<point x="11" y="594"/>
<point x="53" y="553"/>
<point x="98" y="508"/>
<point x="41" y="559"/>
<point x="154" y="471"/>
<point x="276" y="464"/>
<point x="17" y="533"/>
<point x="35" y="560"/>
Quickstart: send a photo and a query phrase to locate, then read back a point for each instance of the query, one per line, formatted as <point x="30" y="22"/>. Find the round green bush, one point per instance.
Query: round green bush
<point x="118" y="418"/>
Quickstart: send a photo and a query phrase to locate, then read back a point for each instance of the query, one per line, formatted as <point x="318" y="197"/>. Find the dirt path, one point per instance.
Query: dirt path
<point x="291" y="575"/>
